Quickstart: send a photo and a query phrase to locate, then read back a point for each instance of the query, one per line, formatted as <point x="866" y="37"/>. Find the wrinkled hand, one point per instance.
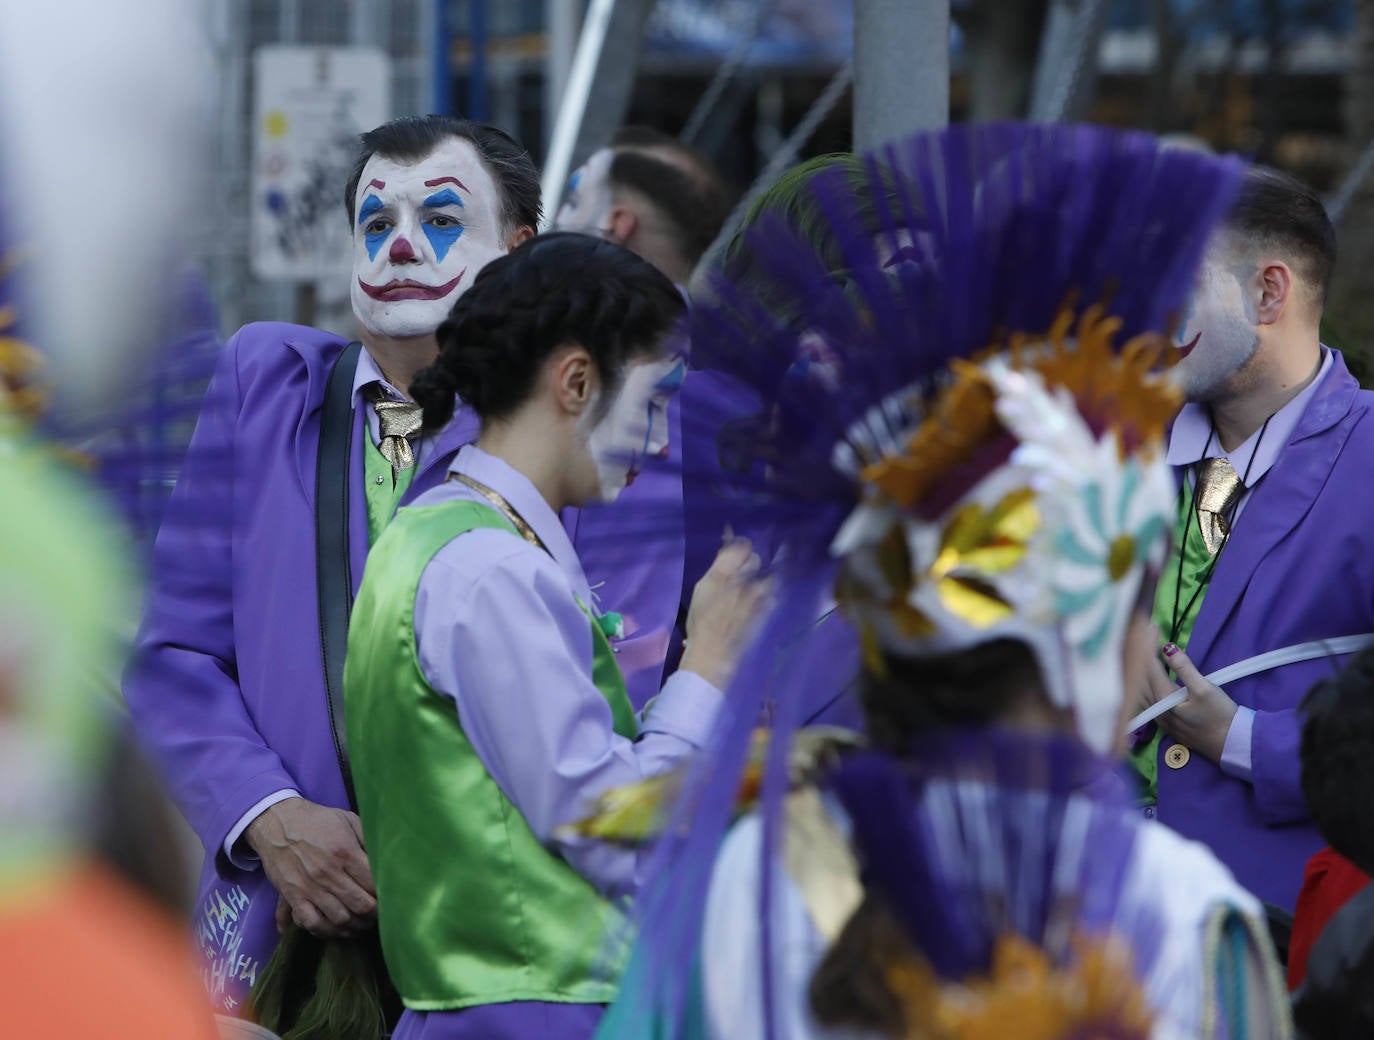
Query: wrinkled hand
<point x="314" y="857"/>
<point x="726" y="605"/>
<point x="1202" y="721"/>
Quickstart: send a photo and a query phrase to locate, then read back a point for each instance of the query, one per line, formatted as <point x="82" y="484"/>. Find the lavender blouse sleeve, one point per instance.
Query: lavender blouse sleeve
<point x="499" y="631"/>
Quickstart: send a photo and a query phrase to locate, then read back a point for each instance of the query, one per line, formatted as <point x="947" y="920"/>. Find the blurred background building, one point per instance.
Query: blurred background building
<point x="1274" y="79"/>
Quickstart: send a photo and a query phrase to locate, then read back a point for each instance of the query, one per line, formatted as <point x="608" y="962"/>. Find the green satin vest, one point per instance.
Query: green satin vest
<point x="472" y="908"/>
<point x="1179" y="602"/>
<point x="381" y="492"/>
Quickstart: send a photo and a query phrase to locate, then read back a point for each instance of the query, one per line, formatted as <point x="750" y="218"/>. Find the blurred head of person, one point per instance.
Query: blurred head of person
<point x="1253" y="321"/>
<point x="129" y="120"/>
<point x="802" y="201"/>
<point x="652" y="194"/>
<point x="1338" y="759"/>
<point x="560" y="347"/>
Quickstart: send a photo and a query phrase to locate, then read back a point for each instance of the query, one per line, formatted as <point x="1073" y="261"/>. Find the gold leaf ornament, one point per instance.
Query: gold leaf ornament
<point x="978" y="543"/>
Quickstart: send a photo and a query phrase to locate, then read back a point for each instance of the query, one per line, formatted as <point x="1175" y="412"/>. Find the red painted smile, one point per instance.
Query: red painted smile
<point x="1184" y="349"/>
<point x="408" y="290"/>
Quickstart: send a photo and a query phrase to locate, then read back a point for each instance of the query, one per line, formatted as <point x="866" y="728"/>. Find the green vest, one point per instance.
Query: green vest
<point x="1175" y="599"/>
<point x="472" y="908"/>
<point x="380" y="490"/>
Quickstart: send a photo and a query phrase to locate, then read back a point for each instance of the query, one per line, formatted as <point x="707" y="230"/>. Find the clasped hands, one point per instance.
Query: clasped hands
<point x="1203" y="720"/>
<point x="314" y="857"/>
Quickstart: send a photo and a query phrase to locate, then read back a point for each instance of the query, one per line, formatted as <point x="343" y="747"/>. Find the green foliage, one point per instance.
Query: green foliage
<point x="322" y="989"/>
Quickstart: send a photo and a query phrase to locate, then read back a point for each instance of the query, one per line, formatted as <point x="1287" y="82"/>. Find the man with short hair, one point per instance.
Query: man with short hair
<point x="651" y="194"/>
<point x="1273" y="548"/>
<point x="665" y="201"/>
<point x="230" y="686"/>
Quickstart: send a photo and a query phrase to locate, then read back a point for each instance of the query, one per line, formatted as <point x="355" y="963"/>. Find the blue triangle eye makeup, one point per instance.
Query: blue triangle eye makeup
<point x="441" y="237"/>
<point x="372" y="239"/>
<point x="672" y="382"/>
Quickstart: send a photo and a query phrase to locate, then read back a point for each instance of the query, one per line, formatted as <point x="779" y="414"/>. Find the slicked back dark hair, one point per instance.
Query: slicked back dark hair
<point x="1337" y="753"/>
<point x="677" y="180"/>
<point x="412" y="138"/>
<point x="1277" y="211"/>
<point x="556" y="289"/>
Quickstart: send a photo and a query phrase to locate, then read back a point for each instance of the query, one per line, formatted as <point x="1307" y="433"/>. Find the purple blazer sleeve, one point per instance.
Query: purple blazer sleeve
<point x="182" y="684"/>
<point x="1275" y="767"/>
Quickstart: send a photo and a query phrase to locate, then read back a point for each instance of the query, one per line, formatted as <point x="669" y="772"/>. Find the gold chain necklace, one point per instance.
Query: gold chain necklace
<point x="504" y="507"/>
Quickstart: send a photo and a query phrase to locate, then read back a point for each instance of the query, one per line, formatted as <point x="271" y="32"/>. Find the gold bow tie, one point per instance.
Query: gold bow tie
<point x="399" y="421"/>
<point x="1218" y="487"/>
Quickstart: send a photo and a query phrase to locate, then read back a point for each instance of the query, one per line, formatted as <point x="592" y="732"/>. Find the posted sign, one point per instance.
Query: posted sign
<point x="309" y="105"/>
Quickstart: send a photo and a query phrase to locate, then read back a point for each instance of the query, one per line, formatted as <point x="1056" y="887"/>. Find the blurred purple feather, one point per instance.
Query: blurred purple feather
<point x="1008" y="225"/>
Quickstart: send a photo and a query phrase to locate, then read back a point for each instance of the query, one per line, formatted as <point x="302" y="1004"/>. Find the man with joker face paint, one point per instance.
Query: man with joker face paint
<point x="231" y="684"/>
<point x="1272" y="547"/>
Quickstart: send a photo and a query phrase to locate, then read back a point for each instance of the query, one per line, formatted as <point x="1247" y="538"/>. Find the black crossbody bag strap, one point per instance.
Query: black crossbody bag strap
<point x="333" y="577"/>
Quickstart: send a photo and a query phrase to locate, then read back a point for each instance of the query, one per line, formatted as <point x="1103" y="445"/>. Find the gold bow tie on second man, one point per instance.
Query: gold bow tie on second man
<point x="1218" y="488"/>
<point x="399" y="421"/>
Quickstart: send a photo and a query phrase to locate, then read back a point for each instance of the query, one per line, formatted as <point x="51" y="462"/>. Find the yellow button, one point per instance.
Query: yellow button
<point x="1177" y="756"/>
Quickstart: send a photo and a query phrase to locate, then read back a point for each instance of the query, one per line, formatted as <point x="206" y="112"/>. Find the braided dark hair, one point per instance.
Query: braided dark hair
<point x="551" y="291"/>
<point x="1337" y="755"/>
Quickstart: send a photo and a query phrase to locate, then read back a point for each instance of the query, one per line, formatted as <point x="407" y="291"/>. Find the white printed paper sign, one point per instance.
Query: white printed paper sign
<point x="309" y="105"/>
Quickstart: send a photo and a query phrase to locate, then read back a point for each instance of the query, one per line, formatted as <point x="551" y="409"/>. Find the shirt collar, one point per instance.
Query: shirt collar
<point x="525" y="499"/>
<point x="1191" y="437"/>
<point x="369" y="372"/>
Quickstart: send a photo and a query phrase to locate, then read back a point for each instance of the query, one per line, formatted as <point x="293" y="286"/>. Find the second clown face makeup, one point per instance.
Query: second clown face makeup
<point x="635" y="426"/>
<point x="587" y="204"/>
<point x="421" y="232"/>
<point x="1218" y="337"/>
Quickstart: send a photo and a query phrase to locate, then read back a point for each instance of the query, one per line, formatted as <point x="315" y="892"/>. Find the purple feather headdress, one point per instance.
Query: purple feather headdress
<point x="914" y="436"/>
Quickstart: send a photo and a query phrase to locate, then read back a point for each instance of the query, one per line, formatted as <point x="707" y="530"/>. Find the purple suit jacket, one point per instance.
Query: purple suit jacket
<point x="226" y="687"/>
<point x="1299" y="566"/>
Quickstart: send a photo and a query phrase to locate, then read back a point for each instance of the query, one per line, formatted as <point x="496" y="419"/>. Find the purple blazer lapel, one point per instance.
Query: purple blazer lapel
<point x="1277" y="506"/>
<point x="306" y="442"/>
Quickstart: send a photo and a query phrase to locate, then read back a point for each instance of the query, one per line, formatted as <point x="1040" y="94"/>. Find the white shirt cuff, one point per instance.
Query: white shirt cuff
<point x="686" y="708"/>
<point x="245" y="859"/>
<point x="1235" y="753"/>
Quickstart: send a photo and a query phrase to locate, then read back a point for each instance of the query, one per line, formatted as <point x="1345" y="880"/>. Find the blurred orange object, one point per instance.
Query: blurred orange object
<point x="84" y="955"/>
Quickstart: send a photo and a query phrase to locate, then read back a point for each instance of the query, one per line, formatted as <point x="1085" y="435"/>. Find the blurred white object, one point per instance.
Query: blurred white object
<point x="104" y="110"/>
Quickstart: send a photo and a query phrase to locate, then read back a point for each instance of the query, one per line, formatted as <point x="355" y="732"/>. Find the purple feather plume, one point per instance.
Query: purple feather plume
<point x="982" y="231"/>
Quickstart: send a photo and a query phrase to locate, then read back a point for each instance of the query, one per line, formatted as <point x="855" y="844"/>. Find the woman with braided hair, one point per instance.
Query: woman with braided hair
<point x="485" y="708"/>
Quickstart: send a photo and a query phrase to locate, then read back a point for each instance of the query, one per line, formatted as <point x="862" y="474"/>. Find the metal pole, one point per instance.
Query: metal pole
<point x="477" y="67"/>
<point x="562" y="18"/>
<point x="784" y="157"/>
<point x="901" y="69"/>
<point x="1067" y="69"/>
<point x="573" y="105"/>
<point x="441" y="92"/>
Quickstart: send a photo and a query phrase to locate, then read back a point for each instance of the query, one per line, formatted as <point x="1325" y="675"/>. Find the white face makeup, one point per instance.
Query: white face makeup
<point x="635" y="427"/>
<point x="421" y="232"/>
<point x="587" y="204"/>
<point x="1218" y="335"/>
